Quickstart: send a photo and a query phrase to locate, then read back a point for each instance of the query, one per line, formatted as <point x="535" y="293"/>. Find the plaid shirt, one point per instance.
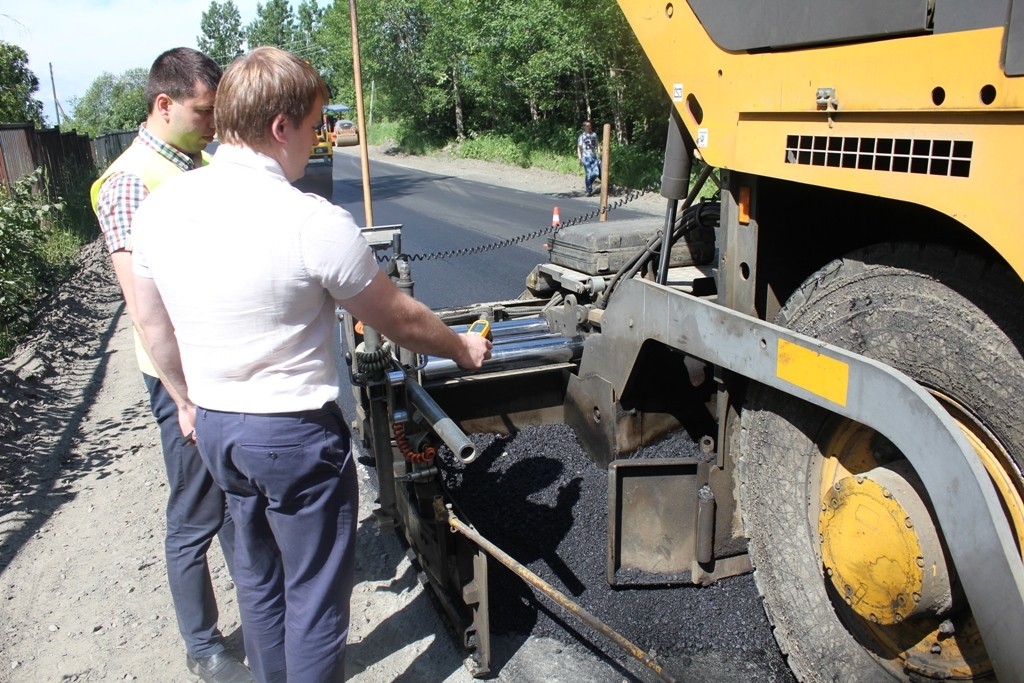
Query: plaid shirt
<point x="122" y="193"/>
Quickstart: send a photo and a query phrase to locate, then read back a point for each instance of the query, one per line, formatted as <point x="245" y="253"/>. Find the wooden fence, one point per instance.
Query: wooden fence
<point x="62" y="156"/>
<point x="109" y="146"/>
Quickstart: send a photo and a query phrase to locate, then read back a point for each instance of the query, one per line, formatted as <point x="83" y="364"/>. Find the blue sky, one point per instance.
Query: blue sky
<point x="84" y="38"/>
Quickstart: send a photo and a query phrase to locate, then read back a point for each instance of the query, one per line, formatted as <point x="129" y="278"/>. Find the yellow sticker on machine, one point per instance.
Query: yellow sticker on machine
<point x="818" y="374"/>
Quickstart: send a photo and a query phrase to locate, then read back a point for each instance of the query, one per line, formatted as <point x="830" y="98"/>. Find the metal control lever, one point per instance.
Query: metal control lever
<point x="418" y="477"/>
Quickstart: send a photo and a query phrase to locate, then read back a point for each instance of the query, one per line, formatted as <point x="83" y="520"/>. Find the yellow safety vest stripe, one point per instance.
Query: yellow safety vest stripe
<point x="152" y="169"/>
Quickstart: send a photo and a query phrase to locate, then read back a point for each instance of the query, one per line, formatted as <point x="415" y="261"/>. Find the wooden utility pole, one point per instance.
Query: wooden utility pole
<point x="56" y="105"/>
<point x="604" y="169"/>
<point x="364" y="153"/>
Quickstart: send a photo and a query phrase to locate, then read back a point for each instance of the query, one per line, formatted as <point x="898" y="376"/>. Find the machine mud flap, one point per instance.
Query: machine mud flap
<point x="661" y="524"/>
<point x="652" y="509"/>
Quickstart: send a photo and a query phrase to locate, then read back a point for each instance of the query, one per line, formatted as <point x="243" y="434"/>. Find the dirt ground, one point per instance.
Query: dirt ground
<point x="83" y="594"/>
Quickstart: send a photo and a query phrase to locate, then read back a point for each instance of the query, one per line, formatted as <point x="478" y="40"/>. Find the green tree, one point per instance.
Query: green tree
<point x="222" y="36"/>
<point x="419" y="54"/>
<point x="529" y="71"/>
<point x="274" y="25"/>
<point x="392" y="34"/>
<point x="17" y="85"/>
<point x="533" y="47"/>
<point x="309" y="20"/>
<point x="450" y="59"/>
<point x="627" y="90"/>
<point x="335" y="61"/>
<point x="306" y="40"/>
<point x="111" y="103"/>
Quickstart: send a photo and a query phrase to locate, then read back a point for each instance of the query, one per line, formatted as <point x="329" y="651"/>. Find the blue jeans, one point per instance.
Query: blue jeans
<point x="291" y="487"/>
<point x="592" y="169"/>
<point x="196" y="513"/>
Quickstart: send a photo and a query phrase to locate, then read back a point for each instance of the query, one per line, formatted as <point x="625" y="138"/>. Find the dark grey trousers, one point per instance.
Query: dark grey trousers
<point x="196" y="512"/>
<point x="291" y="487"/>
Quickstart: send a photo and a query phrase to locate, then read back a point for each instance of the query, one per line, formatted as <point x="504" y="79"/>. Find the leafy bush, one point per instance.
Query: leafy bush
<point x="553" y="148"/>
<point x="39" y="239"/>
<point x="633" y="167"/>
<point x="383" y="132"/>
<point x="493" y="147"/>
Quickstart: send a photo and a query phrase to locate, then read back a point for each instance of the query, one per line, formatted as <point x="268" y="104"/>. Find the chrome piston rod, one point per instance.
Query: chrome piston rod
<point x="512" y="328"/>
<point x="512" y="356"/>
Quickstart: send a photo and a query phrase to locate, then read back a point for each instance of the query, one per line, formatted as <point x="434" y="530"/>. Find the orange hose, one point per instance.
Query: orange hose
<point x="425" y="456"/>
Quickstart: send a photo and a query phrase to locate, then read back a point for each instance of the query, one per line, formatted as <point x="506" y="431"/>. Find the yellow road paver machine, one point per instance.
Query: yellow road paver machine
<point x="855" y="341"/>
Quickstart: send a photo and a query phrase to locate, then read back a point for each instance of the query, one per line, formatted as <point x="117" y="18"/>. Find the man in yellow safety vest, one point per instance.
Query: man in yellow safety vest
<point x="180" y="93"/>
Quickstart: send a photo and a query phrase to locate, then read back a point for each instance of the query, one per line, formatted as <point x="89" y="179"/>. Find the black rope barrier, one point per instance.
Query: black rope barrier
<point x="492" y="246"/>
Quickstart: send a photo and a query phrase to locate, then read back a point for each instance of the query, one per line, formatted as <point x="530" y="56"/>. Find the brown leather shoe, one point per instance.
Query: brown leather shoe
<point x="219" y="668"/>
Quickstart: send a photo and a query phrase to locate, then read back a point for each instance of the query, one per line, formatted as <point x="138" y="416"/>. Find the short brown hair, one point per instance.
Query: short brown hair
<point x="175" y="73"/>
<point x="260" y="85"/>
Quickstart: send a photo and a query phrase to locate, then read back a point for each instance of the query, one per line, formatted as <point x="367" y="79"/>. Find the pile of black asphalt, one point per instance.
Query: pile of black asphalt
<point x="542" y="500"/>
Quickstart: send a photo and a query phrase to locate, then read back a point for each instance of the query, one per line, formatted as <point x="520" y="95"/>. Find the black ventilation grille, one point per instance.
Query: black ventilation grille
<point x="899" y="155"/>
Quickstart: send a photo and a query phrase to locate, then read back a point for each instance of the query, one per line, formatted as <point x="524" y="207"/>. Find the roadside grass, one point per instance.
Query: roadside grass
<point x="383" y="132"/>
<point x="39" y="239"/>
<point x="534" y="146"/>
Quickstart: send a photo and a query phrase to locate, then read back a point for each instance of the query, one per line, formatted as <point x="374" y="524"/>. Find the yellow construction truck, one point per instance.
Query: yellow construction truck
<point x="855" y="342"/>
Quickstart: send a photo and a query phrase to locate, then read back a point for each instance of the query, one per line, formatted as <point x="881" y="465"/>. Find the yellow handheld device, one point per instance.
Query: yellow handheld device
<point x="480" y="328"/>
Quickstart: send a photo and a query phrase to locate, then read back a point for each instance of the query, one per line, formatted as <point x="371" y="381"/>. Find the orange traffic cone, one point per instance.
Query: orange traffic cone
<point x="555" y="219"/>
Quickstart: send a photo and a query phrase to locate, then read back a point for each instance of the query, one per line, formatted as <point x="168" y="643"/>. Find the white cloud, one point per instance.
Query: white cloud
<point x="84" y="38"/>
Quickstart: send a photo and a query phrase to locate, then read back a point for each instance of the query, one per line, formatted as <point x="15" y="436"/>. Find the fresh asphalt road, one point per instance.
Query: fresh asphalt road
<point x="440" y="213"/>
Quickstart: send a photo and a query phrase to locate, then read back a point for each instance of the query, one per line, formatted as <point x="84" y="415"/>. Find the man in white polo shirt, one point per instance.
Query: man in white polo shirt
<point x="236" y="298"/>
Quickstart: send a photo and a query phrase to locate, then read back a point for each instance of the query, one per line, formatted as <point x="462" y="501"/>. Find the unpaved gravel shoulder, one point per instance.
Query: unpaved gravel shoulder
<point x="82" y="495"/>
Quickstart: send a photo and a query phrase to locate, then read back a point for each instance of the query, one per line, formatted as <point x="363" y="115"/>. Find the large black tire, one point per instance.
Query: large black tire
<point x="950" y="320"/>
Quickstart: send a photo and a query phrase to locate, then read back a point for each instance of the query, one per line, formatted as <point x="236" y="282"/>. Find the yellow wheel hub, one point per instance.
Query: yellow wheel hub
<point x="863" y="546"/>
<point x="870" y="550"/>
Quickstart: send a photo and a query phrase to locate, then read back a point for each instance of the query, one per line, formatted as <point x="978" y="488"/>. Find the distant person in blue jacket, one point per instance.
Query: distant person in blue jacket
<point x="587" y="148"/>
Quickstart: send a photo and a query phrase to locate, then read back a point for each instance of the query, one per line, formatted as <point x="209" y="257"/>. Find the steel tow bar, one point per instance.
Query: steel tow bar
<point x="458" y="526"/>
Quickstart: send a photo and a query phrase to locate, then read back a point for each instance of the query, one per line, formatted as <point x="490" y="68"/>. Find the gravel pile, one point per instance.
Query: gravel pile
<point x="541" y="499"/>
